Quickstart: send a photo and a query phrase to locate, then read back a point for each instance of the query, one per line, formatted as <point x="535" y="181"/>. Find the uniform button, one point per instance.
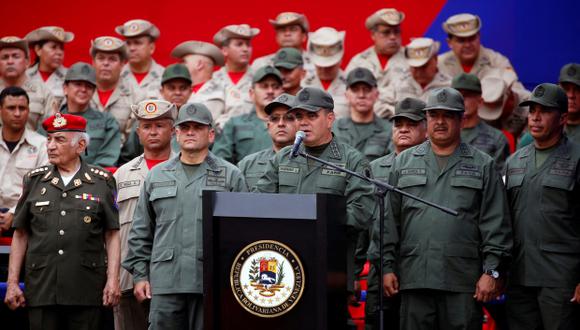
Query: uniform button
<point x="63" y="213"/>
<point x="61" y="252"/>
<point x="61" y="232"/>
<point x="64" y="194"/>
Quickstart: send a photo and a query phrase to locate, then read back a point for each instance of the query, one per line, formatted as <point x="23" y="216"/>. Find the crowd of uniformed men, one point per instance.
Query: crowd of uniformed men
<point x="440" y="126"/>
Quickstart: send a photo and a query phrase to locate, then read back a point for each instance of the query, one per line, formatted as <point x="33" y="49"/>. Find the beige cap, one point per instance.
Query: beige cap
<point x="241" y="31"/>
<point x="462" y="25"/>
<point x="199" y="48"/>
<point x="290" y="18"/>
<point x="326" y="46"/>
<point x="138" y="27"/>
<point x="387" y="16"/>
<point x="108" y="44"/>
<point x="53" y="33"/>
<point x="420" y="50"/>
<point x="154" y="109"/>
<point x="14" y="42"/>
<point x="494" y="86"/>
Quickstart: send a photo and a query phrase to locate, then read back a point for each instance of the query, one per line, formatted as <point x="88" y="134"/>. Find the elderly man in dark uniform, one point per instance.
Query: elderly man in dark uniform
<point x="66" y="235"/>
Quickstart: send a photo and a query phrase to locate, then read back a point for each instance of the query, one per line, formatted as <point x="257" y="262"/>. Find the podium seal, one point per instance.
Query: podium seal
<point x="267" y="278"/>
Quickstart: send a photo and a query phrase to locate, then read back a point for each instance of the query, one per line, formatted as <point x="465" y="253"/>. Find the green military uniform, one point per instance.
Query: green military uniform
<point x="254" y="166"/>
<point x="489" y="140"/>
<point x="439" y="257"/>
<point x="543" y="199"/>
<point x="371" y="139"/>
<point x="570" y="73"/>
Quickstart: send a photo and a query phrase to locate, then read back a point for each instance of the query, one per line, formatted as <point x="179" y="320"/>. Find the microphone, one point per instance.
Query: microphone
<point x="297" y="142"/>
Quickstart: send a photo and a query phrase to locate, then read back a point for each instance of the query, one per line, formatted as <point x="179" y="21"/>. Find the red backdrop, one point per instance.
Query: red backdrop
<point x="195" y="20"/>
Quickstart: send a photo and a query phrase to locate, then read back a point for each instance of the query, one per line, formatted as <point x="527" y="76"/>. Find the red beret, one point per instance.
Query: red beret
<point x="64" y="123"/>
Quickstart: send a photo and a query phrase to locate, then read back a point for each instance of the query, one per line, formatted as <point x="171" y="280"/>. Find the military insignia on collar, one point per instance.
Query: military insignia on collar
<point x="304" y="96"/>
<point x="267" y="278"/>
<point x="442" y="97"/>
<point x="77" y="182"/>
<point x="43" y="191"/>
<point x="88" y="177"/>
<point x="539" y="92"/>
<point x="54" y="181"/>
<point x="571" y="71"/>
<point x="59" y="120"/>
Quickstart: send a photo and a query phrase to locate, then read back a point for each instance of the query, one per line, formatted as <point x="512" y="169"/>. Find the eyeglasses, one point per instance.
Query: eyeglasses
<point x="287" y="118"/>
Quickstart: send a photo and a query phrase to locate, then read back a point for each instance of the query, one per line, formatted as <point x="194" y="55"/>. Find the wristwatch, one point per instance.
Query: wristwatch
<point x="493" y="273"/>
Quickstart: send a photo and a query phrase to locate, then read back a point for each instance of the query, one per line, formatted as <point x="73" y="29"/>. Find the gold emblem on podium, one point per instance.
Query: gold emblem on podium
<point x="267" y="278"/>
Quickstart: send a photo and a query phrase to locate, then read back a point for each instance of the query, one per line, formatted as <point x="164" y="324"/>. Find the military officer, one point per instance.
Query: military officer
<point x="447" y="265"/>
<point x="234" y="79"/>
<point x="200" y="58"/>
<point x="290" y="63"/>
<point x="363" y="130"/>
<point x="474" y="131"/>
<point x="21" y="150"/>
<point x="424" y="77"/>
<point x="569" y="80"/>
<point x="155" y="128"/>
<point x="291" y="32"/>
<point x="48" y="44"/>
<point x="14" y="59"/>
<point x="409" y="130"/>
<point x="282" y="129"/>
<point x="66" y="235"/>
<point x="114" y="95"/>
<point x="543" y="188"/>
<point x="327" y="48"/>
<point x="385" y="58"/>
<point x="141" y="69"/>
<point x="245" y="134"/>
<point x="170" y="271"/>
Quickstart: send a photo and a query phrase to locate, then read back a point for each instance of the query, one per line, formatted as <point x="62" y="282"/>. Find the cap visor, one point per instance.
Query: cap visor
<point x="273" y="105"/>
<point x="306" y="107"/>
<point x="535" y="100"/>
<point x="440" y="107"/>
<point x="177" y="123"/>
<point x="411" y="116"/>
<point x="286" y="65"/>
<point x="356" y="81"/>
<point x="323" y="61"/>
<point x="417" y="63"/>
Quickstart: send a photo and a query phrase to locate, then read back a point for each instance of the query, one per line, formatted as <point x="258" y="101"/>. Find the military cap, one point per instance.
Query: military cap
<point x="285" y="100"/>
<point x="195" y="112"/>
<point x="175" y="71"/>
<point x="154" y="109"/>
<point x="313" y="99"/>
<point x="409" y="108"/>
<point x="81" y="71"/>
<point x="467" y="82"/>
<point x="288" y="58"/>
<point x="420" y="50"/>
<point x="493" y="91"/>
<point x="241" y="31"/>
<point x="52" y="33"/>
<point x="64" y="123"/>
<point x="363" y="75"/>
<point x="199" y="48"/>
<point x="462" y="25"/>
<point x="266" y="71"/>
<point x="326" y="46"/>
<point x="15" y="42"/>
<point x="570" y="73"/>
<point x="108" y="44"/>
<point x="549" y="96"/>
<point x="137" y="28"/>
<point x="445" y="98"/>
<point x="386" y="16"/>
<point x="290" y="18"/>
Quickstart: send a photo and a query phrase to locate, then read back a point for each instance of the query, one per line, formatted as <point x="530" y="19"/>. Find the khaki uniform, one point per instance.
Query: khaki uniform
<point x="213" y="97"/>
<point x="53" y="83"/>
<point x="409" y="87"/>
<point x="269" y="60"/>
<point x="150" y="85"/>
<point x="119" y="105"/>
<point x="42" y="103"/>
<point x="66" y="260"/>
<point x="236" y="97"/>
<point x="489" y="140"/>
<point x="373" y="139"/>
<point x="30" y="153"/>
<point x="337" y="90"/>
<point x="253" y="166"/>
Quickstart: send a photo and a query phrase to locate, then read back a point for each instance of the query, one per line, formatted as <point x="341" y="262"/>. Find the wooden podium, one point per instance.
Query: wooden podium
<point x="308" y="229"/>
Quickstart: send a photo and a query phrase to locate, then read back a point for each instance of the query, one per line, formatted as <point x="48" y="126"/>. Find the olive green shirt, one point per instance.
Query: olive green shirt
<point x="431" y="249"/>
<point x="573" y="133"/>
<point x="489" y="140"/>
<point x="166" y="242"/>
<point x="545" y="207"/>
<point x="373" y="139"/>
<point x="66" y="259"/>
<point x="242" y="135"/>
<point x="254" y="166"/>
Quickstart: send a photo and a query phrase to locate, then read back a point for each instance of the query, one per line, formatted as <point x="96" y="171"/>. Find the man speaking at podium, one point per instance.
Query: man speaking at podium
<point x="285" y="174"/>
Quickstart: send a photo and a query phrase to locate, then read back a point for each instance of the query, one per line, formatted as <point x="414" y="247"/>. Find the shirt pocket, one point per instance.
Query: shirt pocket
<point x="558" y="198"/>
<point x="124" y="196"/>
<point x="462" y="263"/>
<point x="288" y="182"/>
<point x="162" y="267"/>
<point x="466" y="193"/>
<point x="164" y="200"/>
<point x="331" y="184"/>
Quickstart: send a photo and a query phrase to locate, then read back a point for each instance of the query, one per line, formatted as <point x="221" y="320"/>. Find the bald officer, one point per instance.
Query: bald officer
<point x="48" y="43"/>
<point x="14" y="59"/>
<point x="141" y="69"/>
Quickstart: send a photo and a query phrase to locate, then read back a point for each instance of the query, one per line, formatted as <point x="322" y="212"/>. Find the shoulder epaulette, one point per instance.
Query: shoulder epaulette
<point x="38" y="171"/>
<point x="100" y="173"/>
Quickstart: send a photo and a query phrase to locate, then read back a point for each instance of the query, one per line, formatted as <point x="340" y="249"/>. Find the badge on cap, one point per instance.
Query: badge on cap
<point x="58" y="33"/>
<point x="539" y="92"/>
<point x="191" y="110"/>
<point x="151" y="107"/>
<point x="304" y="96"/>
<point x="282" y="55"/>
<point x="442" y="97"/>
<point x="87" y="219"/>
<point x="134" y="27"/>
<point x="571" y="71"/>
<point x="59" y="120"/>
<point x="283" y="98"/>
<point x="406" y="104"/>
<point x="359" y="74"/>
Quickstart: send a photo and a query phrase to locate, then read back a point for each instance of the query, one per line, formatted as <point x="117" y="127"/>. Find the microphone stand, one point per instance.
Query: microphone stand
<point x="381" y="190"/>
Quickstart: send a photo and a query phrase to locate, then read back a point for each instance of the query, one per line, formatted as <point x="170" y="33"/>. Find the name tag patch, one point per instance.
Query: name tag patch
<point x="288" y="169"/>
<point x="469" y="170"/>
<point x="216" y="178"/>
<point x="563" y="168"/>
<point x="516" y="171"/>
<point x="413" y="171"/>
<point x="127" y="184"/>
<point x="327" y="170"/>
<point x="164" y="184"/>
